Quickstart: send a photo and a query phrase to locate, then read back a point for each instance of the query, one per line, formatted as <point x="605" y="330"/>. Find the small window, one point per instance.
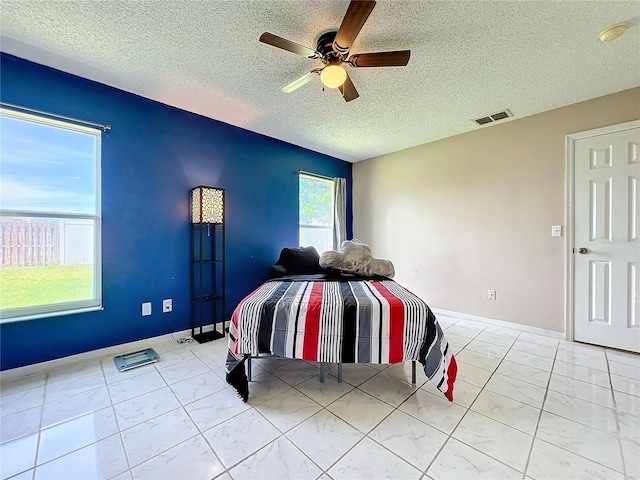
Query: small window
<point x="316" y="213"/>
<point x="50" y="260"/>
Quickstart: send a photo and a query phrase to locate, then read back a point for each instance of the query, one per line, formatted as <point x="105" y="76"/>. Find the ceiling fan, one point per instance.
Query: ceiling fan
<point x="333" y="50"/>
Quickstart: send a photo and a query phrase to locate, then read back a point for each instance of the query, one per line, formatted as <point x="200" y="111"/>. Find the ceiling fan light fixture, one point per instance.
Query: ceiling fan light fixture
<point x="333" y="76"/>
<point x="612" y="32"/>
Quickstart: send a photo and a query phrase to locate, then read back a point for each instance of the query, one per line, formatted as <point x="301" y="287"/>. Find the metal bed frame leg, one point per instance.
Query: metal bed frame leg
<point x="248" y="357"/>
<point x="321" y="372"/>
<point x="340" y="372"/>
<point x="413" y="372"/>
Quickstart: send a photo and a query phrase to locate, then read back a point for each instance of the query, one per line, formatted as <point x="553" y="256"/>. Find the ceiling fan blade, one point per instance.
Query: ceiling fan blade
<point x="288" y="45"/>
<point x="380" y="59"/>
<point x="348" y="90"/>
<point x="354" y="19"/>
<point x="297" y="83"/>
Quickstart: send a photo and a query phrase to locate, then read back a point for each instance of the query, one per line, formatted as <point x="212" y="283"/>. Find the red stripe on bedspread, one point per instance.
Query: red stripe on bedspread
<point x="312" y="324"/>
<point x="396" y="323"/>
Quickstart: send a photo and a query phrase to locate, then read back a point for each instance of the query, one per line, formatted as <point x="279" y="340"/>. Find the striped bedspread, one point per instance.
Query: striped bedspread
<point x="356" y="321"/>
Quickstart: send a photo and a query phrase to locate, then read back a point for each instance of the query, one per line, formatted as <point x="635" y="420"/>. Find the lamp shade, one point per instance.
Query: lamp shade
<point x="207" y="205"/>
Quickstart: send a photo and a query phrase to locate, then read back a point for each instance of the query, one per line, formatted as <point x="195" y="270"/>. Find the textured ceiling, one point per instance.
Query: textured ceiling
<point x="468" y="59"/>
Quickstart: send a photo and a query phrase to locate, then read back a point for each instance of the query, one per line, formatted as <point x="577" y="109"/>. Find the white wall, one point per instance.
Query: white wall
<point x="474" y="212"/>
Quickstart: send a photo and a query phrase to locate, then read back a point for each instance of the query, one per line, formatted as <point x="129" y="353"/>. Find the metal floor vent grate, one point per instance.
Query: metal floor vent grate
<point x="494" y="117"/>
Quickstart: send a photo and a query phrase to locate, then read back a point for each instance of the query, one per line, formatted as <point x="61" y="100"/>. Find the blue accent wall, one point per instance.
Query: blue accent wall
<point x="151" y="159"/>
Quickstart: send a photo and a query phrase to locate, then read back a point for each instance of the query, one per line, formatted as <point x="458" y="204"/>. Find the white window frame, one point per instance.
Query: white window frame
<point x="332" y="207"/>
<point x="63" y="308"/>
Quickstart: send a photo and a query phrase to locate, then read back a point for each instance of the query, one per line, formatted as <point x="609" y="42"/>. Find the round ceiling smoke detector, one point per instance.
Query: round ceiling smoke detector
<point x="612" y="32"/>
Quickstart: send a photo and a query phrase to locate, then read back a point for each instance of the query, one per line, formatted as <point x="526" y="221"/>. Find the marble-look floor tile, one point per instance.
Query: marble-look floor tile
<point x="370" y="460"/>
<point x="296" y="372"/>
<point x="476" y="359"/>
<point x="265" y="386"/>
<point x="461" y="462"/>
<point x="22" y="384"/>
<point x="288" y="409"/>
<point x="582" y="355"/>
<point x="324" y="393"/>
<point x="474" y="375"/>
<point x="336" y="434"/>
<point x="625" y="385"/>
<point x="515" y="389"/>
<point x="412" y="440"/>
<point x="582" y="390"/>
<point x="402" y="371"/>
<point x="66" y="437"/>
<point x="631" y="454"/>
<point x="626" y="403"/>
<point x="465" y="330"/>
<point x="177" y="372"/>
<point x="215" y="409"/>
<point x="549" y="462"/>
<point x="589" y="414"/>
<point x="191" y="459"/>
<point x="623" y="357"/>
<point x="197" y="387"/>
<point x="20" y="424"/>
<point x="135" y="386"/>
<point x="354" y="373"/>
<point x="456" y="341"/>
<point x="629" y="427"/>
<point x="123" y="476"/>
<point x="531" y="375"/>
<point x="178" y="354"/>
<point x="241" y="436"/>
<point x="18" y="455"/>
<point x="463" y="393"/>
<point x="148" y="439"/>
<point x="140" y="409"/>
<point x="28" y="475"/>
<point x="495" y="439"/>
<point x="586" y="374"/>
<point x="487" y="349"/>
<point x="75" y="371"/>
<point x="20" y="400"/>
<point x="360" y="410"/>
<point x="534" y="348"/>
<point x="101" y="460"/>
<point x="530" y="360"/>
<point x="388" y="389"/>
<point x="539" y="339"/>
<point x="67" y="386"/>
<point x="508" y="411"/>
<point x="280" y="459"/>
<point x="501" y="339"/>
<point x="66" y="409"/>
<point x="582" y="440"/>
<point x="624" y="370"/>
<point x="434" y="410"/>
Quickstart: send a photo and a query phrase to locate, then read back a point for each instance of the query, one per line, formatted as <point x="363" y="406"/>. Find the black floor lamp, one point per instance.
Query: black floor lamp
<point x="207" y="263"/>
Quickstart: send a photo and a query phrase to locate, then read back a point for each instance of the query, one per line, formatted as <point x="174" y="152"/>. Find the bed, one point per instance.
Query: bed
<point x="333" y="317"/>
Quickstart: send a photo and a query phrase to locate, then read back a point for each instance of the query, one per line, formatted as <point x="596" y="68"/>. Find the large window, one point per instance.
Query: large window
<point x="49" y="217"/>
<point x="316" y="213"/>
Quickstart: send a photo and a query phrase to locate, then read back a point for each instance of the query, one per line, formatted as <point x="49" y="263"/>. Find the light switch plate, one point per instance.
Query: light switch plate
<point x="146" y="309"/>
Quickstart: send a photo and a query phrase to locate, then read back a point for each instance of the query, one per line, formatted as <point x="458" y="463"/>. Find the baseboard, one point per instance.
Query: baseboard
<point x="19" y="372"/>
<point x="501" y="323"/>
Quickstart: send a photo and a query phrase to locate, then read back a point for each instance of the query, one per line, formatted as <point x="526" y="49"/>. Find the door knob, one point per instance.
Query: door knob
<point x="583" y="250"/>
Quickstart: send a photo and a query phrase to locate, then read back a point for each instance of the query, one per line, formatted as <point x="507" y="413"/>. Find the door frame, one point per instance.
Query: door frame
<point x="569" y="219"/>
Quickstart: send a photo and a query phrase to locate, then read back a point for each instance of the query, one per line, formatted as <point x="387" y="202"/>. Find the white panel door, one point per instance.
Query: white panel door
<point x="607" y="243"/>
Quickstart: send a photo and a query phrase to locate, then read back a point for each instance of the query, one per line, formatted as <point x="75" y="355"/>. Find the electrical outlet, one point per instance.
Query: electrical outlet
<point x="491" y="294"/>
<point x="146" y="309"/>
<point x="167" y="305"/>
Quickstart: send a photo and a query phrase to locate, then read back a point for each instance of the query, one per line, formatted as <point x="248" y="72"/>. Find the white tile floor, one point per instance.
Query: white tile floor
<point x="526" y="407"/>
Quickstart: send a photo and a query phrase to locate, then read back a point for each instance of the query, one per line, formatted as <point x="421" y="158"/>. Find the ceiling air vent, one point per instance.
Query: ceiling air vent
<point x="494" y="117"/>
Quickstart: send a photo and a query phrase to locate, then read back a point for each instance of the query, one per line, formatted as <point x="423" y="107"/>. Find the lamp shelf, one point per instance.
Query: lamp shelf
<point x="207" y="263"/>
